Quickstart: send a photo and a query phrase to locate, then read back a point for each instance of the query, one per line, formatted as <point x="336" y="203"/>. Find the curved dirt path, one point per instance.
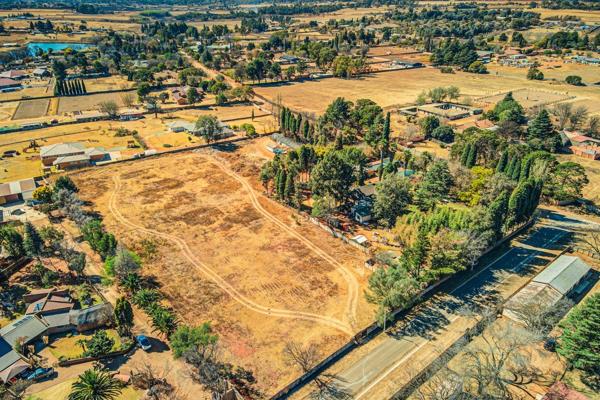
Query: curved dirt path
<point x="353" y="288"/>
<point x="226" y="287"/>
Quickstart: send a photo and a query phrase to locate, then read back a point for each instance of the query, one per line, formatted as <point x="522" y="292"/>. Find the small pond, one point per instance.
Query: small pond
<point x="54" y="46"/>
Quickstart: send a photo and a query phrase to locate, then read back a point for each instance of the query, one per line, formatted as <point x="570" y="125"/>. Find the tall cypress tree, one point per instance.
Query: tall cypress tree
<point x="516" y="171"/>
<point x="497" y="214"/>
<point x="502" y="162"/>
<point x="472" y="157"/>
<point x="465" y="154"/>
<point x="281" y="187"/>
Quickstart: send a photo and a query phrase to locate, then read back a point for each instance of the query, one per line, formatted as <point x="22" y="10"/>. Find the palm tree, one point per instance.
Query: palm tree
<point x="95" y="384"/>
<point x="81" y="343"/>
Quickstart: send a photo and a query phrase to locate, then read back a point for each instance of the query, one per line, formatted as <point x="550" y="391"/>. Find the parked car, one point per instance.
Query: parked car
<point x="40" y="373"/>
<point x="143" y="342"/>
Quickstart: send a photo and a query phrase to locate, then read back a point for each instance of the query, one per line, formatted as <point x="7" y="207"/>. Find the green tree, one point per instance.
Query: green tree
<point x="332" y="176"/>
<point x="541" y="132"/>
<point x="33" y="243"/>
<point x="65" y="182"/>
<point x="124" y="315"/>
<point x="163" y="321"/>
<point x="193" y="96"/>
<point x="200" y="339"/>
<point x="574" y="80"/>
<point x="392" y="196"/>
<point x="428" y="124"/>
<point x="11" y="241"/>
<point x="535" y="74"/>
<point x="566" y="182"/>
<point x="390" y="289"/>
<point x="435" y="185"/>
<point x="95" y="384"/>
<point x="100" y="344"/>
<point x="208" y="127"/>
<point x="580" y="340"/>
<point x="443" y="133"/>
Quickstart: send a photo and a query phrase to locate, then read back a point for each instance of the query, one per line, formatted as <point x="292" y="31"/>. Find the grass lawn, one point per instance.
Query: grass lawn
<point x="61" y="392"/>
<point x="68" y="348"/>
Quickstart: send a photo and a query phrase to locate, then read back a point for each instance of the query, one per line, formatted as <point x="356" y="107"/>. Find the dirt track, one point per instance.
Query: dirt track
<point x="205" y="269"/>
<point x="350" y="279"/>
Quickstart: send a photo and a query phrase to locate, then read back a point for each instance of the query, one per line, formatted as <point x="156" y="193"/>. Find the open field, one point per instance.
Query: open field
<point x="398" y="88"/>
<point x="31" y="109"/>
<point x="28" y="164"/>
<point x="227" y="254"/>
<point x="154" y="131"/>
<point x="109" y="83"/>
<point x="584" y="15"/>
<point x="84" y="103"/>
<point x="527" y="98"/>
<point x="7" y="110"/>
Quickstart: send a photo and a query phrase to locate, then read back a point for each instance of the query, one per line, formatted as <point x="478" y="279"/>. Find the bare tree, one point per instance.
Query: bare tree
<point x="578" y="117"/>
<point x="128" y="99"/>
<point x="109" y="107"/>
<point x="591" y="241"/>
<point x="540" y="318"/>
<point x="562" y="112"/>
<point x="497" y="366"/>
<point x="445" y="385"/>
<point x="326" y="386"/>
<point x="593" y="125"/>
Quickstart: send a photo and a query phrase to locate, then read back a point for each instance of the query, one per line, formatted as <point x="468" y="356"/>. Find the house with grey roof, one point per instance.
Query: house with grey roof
<point x="70" y="155"/>
<point x="565" y="277"/>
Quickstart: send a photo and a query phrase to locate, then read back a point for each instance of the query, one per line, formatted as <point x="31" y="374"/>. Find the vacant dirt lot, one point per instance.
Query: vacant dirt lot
<point x="226" y="254"/>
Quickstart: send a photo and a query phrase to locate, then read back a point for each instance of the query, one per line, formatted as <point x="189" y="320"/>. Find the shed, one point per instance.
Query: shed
<point x="564" y="274"/>
<point x="561" y="279"/>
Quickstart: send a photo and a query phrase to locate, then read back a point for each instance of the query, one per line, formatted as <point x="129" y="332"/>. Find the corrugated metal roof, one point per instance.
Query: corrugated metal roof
<point x="7" y="355"/>
<point x="60" y="149"/>
<point x="563" y="274"/>
<point x="27" y="327"/>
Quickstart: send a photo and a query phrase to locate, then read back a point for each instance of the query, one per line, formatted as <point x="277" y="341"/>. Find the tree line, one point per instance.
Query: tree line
<point x="71" y="87"/>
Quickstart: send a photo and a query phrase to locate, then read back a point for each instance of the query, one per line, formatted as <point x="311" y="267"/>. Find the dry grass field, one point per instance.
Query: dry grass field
<point x="109" y="83"/>
<point x="584" y="15"/>
<point x="227" y="254"/>
<point x="31" y="109"/>
<point x="27" y="163"/>
<point x="398" y="88"/>
<point x="85" y="103"/>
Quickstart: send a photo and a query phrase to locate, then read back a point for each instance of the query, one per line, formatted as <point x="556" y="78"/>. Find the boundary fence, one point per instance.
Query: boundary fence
<point x="372" y="330"/>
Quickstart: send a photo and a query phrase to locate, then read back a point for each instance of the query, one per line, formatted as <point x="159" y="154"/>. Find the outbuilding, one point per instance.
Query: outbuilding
<point x="565" y="277"/>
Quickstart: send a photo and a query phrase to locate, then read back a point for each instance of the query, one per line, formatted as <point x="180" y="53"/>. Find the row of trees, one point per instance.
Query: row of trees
<point x="71" y="87"/>
<point x="296" y="126"/>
